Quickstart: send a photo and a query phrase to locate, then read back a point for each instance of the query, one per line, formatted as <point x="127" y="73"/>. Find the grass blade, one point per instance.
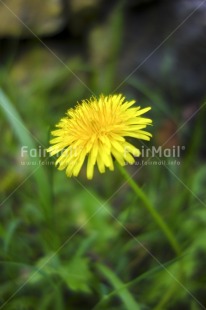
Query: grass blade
<point x="25" y="139"/>
<point x="123" y="292"/>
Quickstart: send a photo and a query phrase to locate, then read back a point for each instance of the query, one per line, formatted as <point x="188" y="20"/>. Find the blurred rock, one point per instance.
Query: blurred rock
<point x="159" y="42"/>
<point x="164" y="46"/>
<point x="42" y="17"/>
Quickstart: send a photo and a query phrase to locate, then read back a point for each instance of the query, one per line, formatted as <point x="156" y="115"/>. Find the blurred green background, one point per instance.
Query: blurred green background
<point x="79" y="244"/>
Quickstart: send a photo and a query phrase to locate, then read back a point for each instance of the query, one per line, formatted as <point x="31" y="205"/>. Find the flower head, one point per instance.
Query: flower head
<point x="96" y="129"/>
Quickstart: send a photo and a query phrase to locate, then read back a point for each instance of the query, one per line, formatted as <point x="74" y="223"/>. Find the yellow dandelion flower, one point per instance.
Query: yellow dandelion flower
<point x="96" y="129"/>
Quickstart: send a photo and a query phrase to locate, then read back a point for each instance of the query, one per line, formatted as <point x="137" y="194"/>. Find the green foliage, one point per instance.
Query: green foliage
<point x="73" y="244"/>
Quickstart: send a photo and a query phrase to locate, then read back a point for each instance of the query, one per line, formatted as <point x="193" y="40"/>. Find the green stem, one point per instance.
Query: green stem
<point x="153" y="212"/>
